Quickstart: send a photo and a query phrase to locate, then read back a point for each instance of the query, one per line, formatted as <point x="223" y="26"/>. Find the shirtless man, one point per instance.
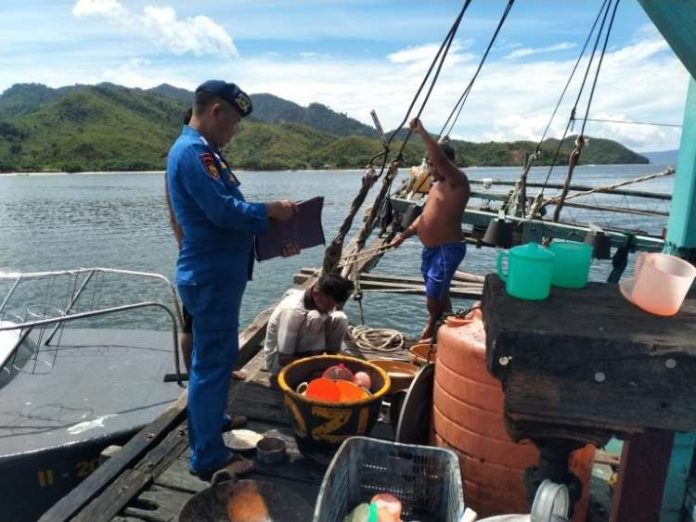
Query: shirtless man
<point x="439" y="227"/>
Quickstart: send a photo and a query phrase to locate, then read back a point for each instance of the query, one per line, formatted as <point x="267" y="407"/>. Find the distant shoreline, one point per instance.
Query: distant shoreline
<point x="136" y="172"/>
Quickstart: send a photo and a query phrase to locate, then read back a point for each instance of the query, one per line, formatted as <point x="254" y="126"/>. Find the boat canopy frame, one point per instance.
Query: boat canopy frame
<point x="26" y="327"/>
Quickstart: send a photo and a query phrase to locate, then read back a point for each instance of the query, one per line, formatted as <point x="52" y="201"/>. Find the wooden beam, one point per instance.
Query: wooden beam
<point x="468" y="277"/>
<point x="580" y="188"/>
<point x="459" y="280"/>
<point x="644" y="462"/>
<point x="147" y="438"/>
<point x="385" y="283"/>
<point x="562" y="230"/>
<point x="681" y="228"/>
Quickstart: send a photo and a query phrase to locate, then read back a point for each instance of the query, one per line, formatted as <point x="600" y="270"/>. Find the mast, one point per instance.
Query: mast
<point x="676" y="20"/>
<point x="681" y="230"/>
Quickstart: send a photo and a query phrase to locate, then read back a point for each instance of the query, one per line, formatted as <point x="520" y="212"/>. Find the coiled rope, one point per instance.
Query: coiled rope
<point x="376" y="340"/>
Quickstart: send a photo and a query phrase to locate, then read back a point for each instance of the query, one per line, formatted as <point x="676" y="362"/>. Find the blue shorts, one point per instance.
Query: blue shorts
<point x="438" y="265"/>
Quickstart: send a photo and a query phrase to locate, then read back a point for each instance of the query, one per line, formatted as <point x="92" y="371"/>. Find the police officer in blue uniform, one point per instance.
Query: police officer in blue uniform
<point x="215" y="258"/>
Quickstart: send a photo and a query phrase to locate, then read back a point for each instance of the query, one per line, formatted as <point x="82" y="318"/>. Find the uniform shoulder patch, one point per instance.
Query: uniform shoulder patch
<point x="208" y="162"/>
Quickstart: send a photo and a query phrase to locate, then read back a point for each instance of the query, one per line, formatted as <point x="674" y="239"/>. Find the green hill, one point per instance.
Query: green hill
<point x="109" y="127"/>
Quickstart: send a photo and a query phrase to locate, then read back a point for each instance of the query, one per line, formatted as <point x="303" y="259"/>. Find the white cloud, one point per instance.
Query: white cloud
<point x="110" y="8"/>
<point x="426" y="53"/>
<point x="198" y="34"/>
<point x="131" y="74"/>
<point x="511" y="100"/>
<point x="527" y="51"/>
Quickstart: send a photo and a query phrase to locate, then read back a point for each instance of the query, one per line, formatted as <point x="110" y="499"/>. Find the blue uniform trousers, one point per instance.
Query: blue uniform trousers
<point x="215" y="312"/>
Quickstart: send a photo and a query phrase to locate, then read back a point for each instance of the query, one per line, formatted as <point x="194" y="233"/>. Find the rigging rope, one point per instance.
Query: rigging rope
<point x="627" y="122"/>
<point x="667" y="172"/>
<point x="572" y="74"/>
<point x="444" y="46"/>
<point x="605" y="8"/>
<point x="604" y="13"/>
<point x="580" y="140"/>
<point x="465" y="95"/>
<point x="599" y="67"/>
<point x="333" y="252"/>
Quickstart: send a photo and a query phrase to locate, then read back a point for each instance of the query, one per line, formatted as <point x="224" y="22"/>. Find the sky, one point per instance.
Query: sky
<point x="358" y="55"/>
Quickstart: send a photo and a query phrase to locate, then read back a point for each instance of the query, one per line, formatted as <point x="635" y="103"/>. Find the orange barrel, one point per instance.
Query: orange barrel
<point x="468" y="418"/>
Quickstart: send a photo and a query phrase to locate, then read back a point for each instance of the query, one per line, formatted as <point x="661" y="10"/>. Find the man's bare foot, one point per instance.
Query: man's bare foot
<point x="239" y="375"/>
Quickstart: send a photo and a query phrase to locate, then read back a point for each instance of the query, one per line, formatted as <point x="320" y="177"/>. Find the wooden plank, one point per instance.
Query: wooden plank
<point x="97" y="482"/>
<point x="166" y="452"/>
<point x="156" y="461"/>
<point x="623" y="409"/>
<point x="177" y="476"/>
<point x="127" y="485"/>
<point x="561" y="358"/>
<point x="638" y="492"/>
<point x="562" y="230"/>
<point x="467" y="277"/>
<point x="460" y="278"/>
<point x="617" y="210"/>
<point x="457" y="290"/>
<point x="582" y="188"/>
<point x="158" y="504"/>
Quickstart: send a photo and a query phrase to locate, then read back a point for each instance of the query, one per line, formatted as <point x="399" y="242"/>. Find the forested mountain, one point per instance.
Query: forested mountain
<point x="109" y="127"/>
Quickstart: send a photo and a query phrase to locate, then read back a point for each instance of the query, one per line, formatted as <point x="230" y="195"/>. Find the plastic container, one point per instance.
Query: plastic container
<point x="426" y="480"/>
<point x="551" y="504"/>
<point x="324" y="425"/>
<point x="571" y="266"/>
<point x="401" y="373"/>
<point x="660" y="284"/>
<point x="270" y="451"/>
<point x="420" y="178"/>
<point x="529" y="271"/>
<point x="423" y="353"/>
<point x="468" y="417"/>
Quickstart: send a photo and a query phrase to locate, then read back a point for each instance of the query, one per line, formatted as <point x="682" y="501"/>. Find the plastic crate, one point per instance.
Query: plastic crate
<point x="426" y="480"/>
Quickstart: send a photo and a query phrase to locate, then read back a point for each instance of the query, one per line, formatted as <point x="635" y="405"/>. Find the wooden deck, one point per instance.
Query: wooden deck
<point x="155" y="488"/>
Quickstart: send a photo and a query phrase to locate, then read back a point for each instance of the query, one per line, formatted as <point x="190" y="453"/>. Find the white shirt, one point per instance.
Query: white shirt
<point x="293" y="329"/>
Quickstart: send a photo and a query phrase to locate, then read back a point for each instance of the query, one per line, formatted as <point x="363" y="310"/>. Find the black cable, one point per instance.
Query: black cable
<point x="571" y="119"/>
<point x="599" y="67"/>
<point x="465" y="95"/>
<point x="445" y="46"/>
<point x="575" y="156"/>
<point x="572" y="74"/>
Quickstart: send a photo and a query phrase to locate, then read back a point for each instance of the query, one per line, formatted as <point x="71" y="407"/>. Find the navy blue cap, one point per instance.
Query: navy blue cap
<point x="228" y="92"/>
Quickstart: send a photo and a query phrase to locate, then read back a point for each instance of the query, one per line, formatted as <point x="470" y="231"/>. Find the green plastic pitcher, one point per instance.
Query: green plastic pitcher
<point x="529" y="271"/>
<point x="571" y="266"/>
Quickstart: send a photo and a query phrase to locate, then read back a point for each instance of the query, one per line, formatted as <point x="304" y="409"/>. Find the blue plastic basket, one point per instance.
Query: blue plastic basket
<point x="426" y="480"/>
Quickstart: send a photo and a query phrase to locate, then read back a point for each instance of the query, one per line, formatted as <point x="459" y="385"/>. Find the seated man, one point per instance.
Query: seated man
<point x="307" y="323"/>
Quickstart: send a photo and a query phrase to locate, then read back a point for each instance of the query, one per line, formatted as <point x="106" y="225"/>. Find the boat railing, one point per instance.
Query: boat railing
<point x="62" y="316"/>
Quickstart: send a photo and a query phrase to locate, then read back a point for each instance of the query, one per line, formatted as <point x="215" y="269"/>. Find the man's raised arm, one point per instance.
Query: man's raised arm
<point x="439" y="159"/>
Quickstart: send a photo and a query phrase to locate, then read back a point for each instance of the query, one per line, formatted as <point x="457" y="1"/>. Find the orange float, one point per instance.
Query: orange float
<point x="468" y="418"/>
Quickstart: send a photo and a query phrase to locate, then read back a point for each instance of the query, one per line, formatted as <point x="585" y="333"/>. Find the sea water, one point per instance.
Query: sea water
<point x="119" y="220"/>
